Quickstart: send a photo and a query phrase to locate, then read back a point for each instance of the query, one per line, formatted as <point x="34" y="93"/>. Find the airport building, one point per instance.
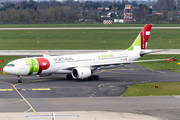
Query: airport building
<point x="128" y="16"/>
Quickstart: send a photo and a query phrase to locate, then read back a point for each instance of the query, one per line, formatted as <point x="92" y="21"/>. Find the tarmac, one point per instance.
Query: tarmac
<point x="81" y="115"/>
<point x="90" y="99"/>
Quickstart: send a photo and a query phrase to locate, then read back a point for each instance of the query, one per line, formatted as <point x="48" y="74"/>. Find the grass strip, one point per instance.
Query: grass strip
<point x="161" y="65"/>
<point x="81" y="25"/>
<point x="148" y="89"/>
<point x="7" y="59"/>
<point x="84" y="39"/>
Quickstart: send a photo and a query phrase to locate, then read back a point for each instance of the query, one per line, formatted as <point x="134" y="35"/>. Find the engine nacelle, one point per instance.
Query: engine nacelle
<point x="80" y="73"/>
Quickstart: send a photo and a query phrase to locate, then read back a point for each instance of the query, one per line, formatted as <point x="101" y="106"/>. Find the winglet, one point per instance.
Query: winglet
<point x="172" y="59"/>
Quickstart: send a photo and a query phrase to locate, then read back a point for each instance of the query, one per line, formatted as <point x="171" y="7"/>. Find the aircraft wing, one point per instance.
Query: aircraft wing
<point x="70" y="67"/>
<point x="112" y="64"/>
<point x="126" y="62"/>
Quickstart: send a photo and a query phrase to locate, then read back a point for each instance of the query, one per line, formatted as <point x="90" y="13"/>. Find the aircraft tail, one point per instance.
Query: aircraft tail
<point x="141" y="41"/>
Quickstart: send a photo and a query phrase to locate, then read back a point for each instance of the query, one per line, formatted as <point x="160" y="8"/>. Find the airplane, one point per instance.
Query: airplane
<point x="81" y="66"/>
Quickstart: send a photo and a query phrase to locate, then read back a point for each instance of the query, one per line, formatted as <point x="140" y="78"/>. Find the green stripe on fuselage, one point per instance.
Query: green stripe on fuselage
<point x="33" y="65"/>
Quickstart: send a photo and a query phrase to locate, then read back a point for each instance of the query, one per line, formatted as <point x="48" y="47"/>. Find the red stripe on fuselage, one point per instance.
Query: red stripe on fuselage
<point x="43" y="64"/>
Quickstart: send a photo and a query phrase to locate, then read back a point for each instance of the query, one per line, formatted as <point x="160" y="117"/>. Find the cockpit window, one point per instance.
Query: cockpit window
<point x="10" y="65"/>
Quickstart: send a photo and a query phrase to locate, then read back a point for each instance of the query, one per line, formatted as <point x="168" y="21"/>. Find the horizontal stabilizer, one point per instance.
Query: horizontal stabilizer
<point x="144" y="52"/>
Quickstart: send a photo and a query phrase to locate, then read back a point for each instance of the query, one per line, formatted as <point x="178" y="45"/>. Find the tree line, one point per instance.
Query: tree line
<point x="71" y="11"/>
<point x="37" y="12"/>
<point x="68" y="11"/>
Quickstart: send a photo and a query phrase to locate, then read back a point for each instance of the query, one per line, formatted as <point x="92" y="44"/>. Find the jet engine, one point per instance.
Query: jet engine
<point x="80" y="73"/>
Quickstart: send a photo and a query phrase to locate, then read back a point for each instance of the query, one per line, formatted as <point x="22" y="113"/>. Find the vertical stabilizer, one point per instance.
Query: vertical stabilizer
<point x="142" y="39"/>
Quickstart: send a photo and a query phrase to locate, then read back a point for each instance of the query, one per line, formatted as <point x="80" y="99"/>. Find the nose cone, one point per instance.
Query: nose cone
<point x="5" y="69"/>
<point x="16" y="67"/>
<point x="10" y="68"/>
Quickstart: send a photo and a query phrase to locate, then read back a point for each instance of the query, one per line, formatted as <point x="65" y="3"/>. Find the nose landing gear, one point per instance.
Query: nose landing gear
<point x="19" y="79"/>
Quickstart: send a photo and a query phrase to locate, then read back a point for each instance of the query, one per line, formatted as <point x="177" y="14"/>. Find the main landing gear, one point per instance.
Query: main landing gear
<point x="69" y="76"/>
<point x="19" y="79"/>
<point x="93" y="77"/>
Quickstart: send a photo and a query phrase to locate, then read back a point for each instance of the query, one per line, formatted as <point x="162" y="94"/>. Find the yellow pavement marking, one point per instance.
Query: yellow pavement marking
<point x="41" y="89"/>
<point x="26" y="89"/>
<point x="6" y="89"/>
<point x="23" y="98"/>
<point x="12" y="102"/>
<point x="14" y="86"/>
<point x="111" y="71"/>
<point x="99" y="71"/>
<point x="32" y="81"/>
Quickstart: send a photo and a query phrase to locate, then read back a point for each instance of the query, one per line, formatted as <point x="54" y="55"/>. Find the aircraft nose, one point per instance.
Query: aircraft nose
<point x="5" y="69"/>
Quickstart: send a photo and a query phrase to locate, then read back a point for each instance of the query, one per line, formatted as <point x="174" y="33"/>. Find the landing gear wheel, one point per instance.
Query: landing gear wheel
<point x="93" y="77"/>
<point x="90" y="78"/>
<point x="69" y="76"/>
<point x="19" y="79"/>
<point x="96" y="77"/>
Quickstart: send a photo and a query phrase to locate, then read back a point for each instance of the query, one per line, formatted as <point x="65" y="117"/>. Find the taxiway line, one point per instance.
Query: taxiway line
<point x="33" y="89"/>
<point x="24" y="99"/>
<point x="6" y="89"/>
<point x="12" y="102"/>
<point x="14" y="86"/>
<point x="41" y="89"/>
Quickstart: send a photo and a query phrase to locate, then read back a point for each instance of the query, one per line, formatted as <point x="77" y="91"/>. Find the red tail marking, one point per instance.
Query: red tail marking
<point x="145" y="35"/>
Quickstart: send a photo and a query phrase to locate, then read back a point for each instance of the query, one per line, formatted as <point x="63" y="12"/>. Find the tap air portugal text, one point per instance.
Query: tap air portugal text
<point x="81" y="66"/>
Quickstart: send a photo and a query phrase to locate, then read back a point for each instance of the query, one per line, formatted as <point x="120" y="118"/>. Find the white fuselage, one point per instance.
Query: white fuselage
<point x="64" y="64"/>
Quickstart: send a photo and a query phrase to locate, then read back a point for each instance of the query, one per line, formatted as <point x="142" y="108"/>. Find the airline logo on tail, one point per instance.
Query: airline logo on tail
<point x="145" y="36"/>
<point x="142" y="39"/>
